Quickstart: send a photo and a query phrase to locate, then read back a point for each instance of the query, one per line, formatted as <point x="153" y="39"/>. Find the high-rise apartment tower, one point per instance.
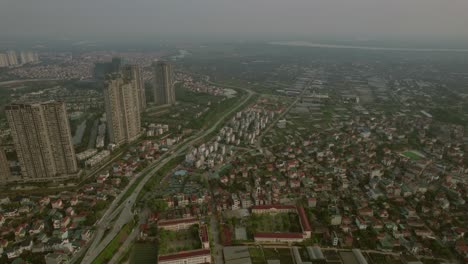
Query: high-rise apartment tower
<point x="5" y="172"/>
<point x="163" y="83"/>
<point x="133" y="73"/>
<point x="42" y="139"/>
<point x="121" y="98"/>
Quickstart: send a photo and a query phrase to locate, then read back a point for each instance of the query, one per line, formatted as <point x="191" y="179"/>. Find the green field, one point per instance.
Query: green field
<point x="283" y="254"/>
<point x="256" y="255"/>
<point x="412" y="155"/>
<point x="254" y="86"/>
<point x="144" y="253"/>
<point x="193" y="110"/>
<point x="281" y="222"/>
<point x="175" y="241"/>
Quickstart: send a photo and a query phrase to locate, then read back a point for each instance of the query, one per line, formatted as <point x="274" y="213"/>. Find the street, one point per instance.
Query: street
<point x="218" y="248"/>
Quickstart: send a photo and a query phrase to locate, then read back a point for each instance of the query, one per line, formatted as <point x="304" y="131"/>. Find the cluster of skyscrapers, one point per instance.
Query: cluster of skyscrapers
<point x="41" y="131"/>
<point x="125" y="97"/>
<point x="12" y="58"/>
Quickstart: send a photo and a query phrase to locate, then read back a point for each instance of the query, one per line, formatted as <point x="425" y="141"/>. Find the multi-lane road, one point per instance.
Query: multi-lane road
<point x="120" y="213"/>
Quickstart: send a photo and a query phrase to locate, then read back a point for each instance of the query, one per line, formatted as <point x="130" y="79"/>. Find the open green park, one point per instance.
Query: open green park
<point x="414" y="155"/>
<point x="193" y="110"/>
<point x="281" y="222"/>
<point x="182" y="240"/>
<point x="143" y="253"/>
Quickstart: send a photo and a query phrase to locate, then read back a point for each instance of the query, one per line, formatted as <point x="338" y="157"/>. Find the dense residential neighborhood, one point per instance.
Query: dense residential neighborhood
<point x="185" y="158"/>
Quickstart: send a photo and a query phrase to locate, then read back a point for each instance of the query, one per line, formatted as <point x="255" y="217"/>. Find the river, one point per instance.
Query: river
<point x="336" y="46"/>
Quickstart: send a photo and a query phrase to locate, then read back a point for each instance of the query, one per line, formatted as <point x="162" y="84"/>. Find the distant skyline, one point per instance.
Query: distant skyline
<point x="355" y="19"/>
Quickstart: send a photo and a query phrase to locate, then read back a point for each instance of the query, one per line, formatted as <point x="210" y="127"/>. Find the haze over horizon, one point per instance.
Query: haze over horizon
<point x="354" y="19"/>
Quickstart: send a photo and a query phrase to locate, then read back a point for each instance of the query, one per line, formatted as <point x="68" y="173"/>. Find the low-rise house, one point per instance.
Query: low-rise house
<point x="361" y="223"/>
<point x="14" y="252"/>
<point x="65" y="221"/>
<point x="70" y="211"/>
<point x="57" y="204"/>
<point x="20" y="230"/>
<point x="56" y="258"/>
<point x="44" y="201"/>
<point x="11" y="213"/>
<point x="37" y="227"/>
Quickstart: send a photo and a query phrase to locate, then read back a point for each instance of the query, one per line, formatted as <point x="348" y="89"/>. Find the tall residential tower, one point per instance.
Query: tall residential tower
<point x="5" y="172"/>
<point x="42" y="139"/>
<point x="12" y="58"/>
<point x="121" y="98"/>
<point x="133" y="72"/>
<point x="163" y="83"/>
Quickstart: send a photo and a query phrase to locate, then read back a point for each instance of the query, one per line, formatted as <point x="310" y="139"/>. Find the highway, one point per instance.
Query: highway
<point x="124" y="210"/>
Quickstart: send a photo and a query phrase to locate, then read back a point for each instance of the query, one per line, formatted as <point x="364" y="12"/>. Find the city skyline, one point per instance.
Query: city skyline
<point x="12" y="58"/>
<point x="234" y="131"/>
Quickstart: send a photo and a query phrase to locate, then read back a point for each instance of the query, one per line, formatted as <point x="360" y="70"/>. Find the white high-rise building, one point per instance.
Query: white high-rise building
<point x="12" y="59"/>
<point x="5" y="172"/>
<point x="122" y="109"/>
<point x="42" y="138"/>
<point x="133" y="72"/>
<point x="29" y="57"/>
<point x="4" y="60"/>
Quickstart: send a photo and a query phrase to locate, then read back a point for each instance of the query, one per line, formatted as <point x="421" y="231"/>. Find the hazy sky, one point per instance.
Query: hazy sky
<point x="357" y="18"/>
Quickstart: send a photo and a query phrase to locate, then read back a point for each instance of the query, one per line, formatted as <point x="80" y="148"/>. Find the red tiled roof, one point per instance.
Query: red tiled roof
<point x="185" y="254"/>
<point x="278" y="235"/>
<point x="303" y="219"/>
<point x="276" y="206"/>
<point x="227" y="236"/>
<point x="176" y="221"/>
<point x="203" y="233"/>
